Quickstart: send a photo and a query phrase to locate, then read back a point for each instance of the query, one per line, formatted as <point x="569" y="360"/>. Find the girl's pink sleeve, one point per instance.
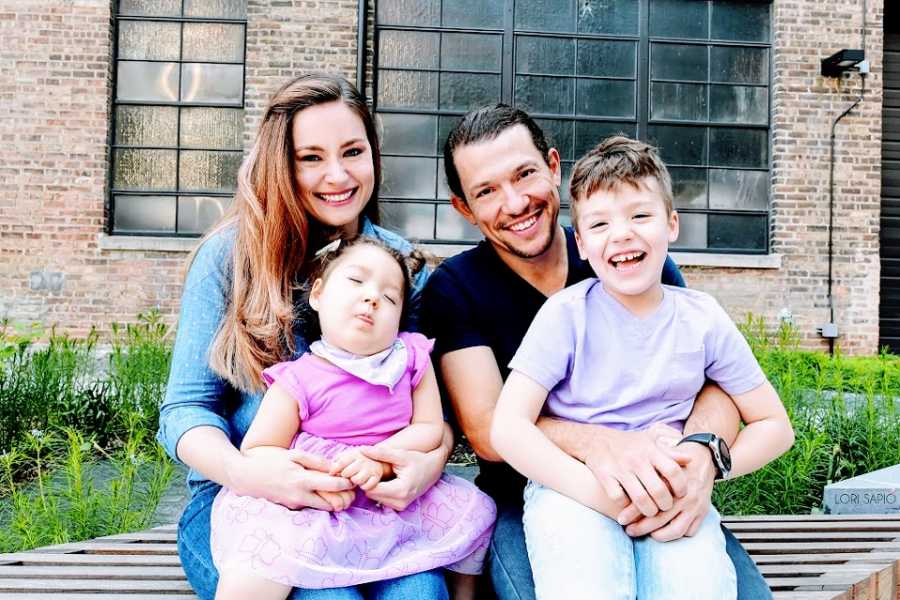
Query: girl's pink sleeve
<point x="419" y="349"/>
<point x="289" y="375"/>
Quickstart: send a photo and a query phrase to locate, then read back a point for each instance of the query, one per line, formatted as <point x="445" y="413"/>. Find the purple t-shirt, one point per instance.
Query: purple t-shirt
<point x="335" y="405"/>
<point x="603" y="365"/>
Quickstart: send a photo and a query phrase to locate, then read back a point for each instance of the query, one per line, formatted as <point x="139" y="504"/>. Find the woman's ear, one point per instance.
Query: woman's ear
<point x="315" y="294"/>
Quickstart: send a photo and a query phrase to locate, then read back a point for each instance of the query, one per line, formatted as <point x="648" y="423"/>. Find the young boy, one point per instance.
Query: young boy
<point x="625" y="351"/>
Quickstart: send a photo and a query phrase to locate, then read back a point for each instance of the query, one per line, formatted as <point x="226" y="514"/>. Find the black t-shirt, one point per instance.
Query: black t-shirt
<point x="474" y="299"/>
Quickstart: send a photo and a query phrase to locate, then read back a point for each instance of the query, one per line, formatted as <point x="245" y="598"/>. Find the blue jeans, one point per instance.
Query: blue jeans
<point x="579" y="554"/>
<point x="196" y="559"/>
<point x="511" y="572"/>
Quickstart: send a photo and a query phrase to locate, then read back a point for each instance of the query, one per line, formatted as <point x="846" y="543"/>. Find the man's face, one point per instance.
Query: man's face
<point x="512" y="194"/>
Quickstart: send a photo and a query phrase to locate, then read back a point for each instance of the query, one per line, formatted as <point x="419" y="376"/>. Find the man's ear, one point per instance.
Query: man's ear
<point x="673" y="227"/>
<point x="581" y="253"/>
<point x="315" y="294"/>
<point x="555" y="164"/>
<point x="462" y="207"/>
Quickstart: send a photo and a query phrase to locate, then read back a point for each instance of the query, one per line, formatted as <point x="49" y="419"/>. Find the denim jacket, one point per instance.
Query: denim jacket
<point x="195" y="395"/>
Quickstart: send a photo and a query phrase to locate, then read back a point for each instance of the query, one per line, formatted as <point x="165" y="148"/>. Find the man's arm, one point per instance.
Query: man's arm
<point x="473" y="382"/>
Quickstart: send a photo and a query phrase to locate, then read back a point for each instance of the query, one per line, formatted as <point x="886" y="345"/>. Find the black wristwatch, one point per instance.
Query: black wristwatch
<point x="718" y="448"/>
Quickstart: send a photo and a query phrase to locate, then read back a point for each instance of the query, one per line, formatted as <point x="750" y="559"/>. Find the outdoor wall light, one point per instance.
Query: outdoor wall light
<point x="842" y="61"/>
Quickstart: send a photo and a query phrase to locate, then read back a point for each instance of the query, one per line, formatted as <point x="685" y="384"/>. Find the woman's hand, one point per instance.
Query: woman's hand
<point x="290" y="477"/>
<point x="363" y="471"/>
<point x="414" y="473"/>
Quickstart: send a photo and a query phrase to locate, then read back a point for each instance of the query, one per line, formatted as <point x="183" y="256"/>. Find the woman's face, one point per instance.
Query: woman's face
<point x="333" y="164"/>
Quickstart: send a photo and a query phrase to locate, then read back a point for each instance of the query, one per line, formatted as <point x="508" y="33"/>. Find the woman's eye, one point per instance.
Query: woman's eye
<point x="310" y="158"/>
<point x="353" y="152"/>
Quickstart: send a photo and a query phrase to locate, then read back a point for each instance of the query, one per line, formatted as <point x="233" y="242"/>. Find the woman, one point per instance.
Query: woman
<point x="311" y="176"/>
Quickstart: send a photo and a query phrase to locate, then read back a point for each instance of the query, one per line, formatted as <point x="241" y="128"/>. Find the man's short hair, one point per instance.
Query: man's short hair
<point x="614" y="161"/>
<point x="487" y="123"/>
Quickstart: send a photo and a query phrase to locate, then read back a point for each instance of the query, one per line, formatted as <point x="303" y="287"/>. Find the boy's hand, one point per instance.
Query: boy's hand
<point x="363" y="471"/>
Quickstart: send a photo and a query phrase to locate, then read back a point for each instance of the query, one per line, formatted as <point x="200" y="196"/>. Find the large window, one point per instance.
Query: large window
<point x="177" y="115"/>
<point x="691" y="76"/>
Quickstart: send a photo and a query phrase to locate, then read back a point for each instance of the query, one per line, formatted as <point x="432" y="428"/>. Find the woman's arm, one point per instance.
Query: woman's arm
<point x="768" y="433"/>
<point x="518" y="440"/>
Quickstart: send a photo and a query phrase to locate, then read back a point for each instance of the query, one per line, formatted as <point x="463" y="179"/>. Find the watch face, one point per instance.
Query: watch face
<point x="725" y="454"/>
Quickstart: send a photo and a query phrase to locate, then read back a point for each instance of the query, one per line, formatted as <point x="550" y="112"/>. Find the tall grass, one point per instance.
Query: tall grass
<point x="844" y="413"/>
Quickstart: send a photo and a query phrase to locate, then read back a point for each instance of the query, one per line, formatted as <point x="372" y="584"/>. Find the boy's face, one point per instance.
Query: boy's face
<point x="624" y="233"/>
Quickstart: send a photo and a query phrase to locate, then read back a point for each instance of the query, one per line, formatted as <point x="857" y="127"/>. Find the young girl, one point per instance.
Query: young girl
<point x="626" y="352"/>
<point x="361" y="384"/>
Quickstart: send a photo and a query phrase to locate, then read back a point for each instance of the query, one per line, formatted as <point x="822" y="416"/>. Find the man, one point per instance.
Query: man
<point x="505" y="180"/>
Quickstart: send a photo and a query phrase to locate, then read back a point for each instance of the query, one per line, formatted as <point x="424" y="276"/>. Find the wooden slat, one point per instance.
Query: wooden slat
<point x="91" y="585"/>
<point x="86" y="572"/>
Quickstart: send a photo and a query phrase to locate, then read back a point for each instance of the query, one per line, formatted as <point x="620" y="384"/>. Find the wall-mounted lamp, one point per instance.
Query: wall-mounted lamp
<point x="842" y="61"/>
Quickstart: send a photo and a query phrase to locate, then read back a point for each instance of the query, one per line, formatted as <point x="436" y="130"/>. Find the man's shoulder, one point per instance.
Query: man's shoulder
<point x="465" y="269"/>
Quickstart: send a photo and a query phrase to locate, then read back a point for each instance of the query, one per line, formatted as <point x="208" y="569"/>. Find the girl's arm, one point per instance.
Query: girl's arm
<point x="276" y="422"/>
<point x="768" y="433"/>
<point x="426" y="430"/>
<point x="519" y="442"/>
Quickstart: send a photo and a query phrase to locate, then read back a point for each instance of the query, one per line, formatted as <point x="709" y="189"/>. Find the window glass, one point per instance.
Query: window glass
<point x="147" y="82"/>
<point x="204" y="171"/>
<point x="407" y="89"/>
<point x="409" y="12"/>
<point x="150" y="8"/>
<point x="743" y="21"/>
<point x="196" y="214"/>
<point x="409" y="134"/>
<point x="679" y="61"/>
<point x="228" y="46"/>
<point x="214" y="84"/>
<point x="541" y="56"/>
<point x="406" y="177"/>
<point x="451" y="226"/>
<point x="149" y="40"/>
<point x="679" y="18"/>
<point x="219" y="9"/>
<point x="616" y="17"/>
<point x="472" y="13"/>
<point x="545" y="15"/>
<point x="679" y="145"/>
<point x="143" y="169"/>
<point x="604" y="98"/>
<point x="689" y="187"/>
<point x="737" y="232"/>
<point x="545" y="94"/>
<point x="414" y="221"/>
<point x="606" y="58"/>
<point x="738" y="147"/>
<point x="678" y="101"/>
<point x="733" y="64"/>
<point x="560" y="135"/>
<point x="146" y="125"/>
<point x="463" y="91"/>
<point x="590" y="133"/>
<point x="471" y="51"/>
<point x="212" y="128"/>
<point x="409" y="49"/>
<point x="731" y="188"/>
<point x="144" y="214"/>
<point x="739" y="104"/>
<point x="692" y="231"/>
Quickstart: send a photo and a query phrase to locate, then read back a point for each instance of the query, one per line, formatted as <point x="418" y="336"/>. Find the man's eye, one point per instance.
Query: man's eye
<point x="482" y="193"/>
<point x="526" y="172"/>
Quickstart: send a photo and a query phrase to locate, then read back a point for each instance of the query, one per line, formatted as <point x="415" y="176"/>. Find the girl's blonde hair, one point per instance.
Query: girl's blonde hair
<point x="274" y="234"/>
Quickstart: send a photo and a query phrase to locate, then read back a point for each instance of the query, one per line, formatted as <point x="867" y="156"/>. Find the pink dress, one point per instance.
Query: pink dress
<point x="448" y="526"/>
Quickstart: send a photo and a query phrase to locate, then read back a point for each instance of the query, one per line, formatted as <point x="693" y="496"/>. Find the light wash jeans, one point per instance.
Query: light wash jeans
<point x="577" y="553"/>
<point x="196" y="559"/>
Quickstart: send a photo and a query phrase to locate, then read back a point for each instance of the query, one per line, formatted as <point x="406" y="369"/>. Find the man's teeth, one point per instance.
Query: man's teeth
<point x="524" y="224"/>
<point x="336" y="197"/>
<point x="623" y="257"/>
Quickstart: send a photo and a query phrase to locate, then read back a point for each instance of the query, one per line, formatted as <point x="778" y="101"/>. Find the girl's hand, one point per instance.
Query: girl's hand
<point x="291" y="478"/>
<point x="338" y="500"/>
<point x="363" y="471"/>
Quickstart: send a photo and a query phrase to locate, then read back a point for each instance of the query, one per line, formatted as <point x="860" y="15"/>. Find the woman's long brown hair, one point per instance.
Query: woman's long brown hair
<point x="273" y="234"/>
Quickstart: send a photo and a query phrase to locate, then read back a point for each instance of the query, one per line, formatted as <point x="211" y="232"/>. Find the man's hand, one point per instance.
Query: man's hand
<point x="642" y="466"/>
<point x="688" y="511"/>
<point x="414" y="472"/>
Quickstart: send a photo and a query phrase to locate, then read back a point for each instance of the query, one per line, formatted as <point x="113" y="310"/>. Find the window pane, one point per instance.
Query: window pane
<point x="223" y="9"/>
<point x="408" y="177"/>
<point x="144" y="169"/>
<point x="678" y="101"/>
<point x="144" y="214"/>
<point x="737" y="232"/>
<point x="409" y="12"/>
<point x="691" y="231"/>
<point x="545" y="15"/>
<point x="146" y="125"/>
<point x="738" y="189"/>
<point x="443" y="190"/>
<point x="464" y="91"/>
<point x="544" y="94"/>
<point x="212" y="83"/>
<point x="559" y="135"/>
<point x="472" y="13"/>
<point x="679" y="145"/>
<point x="679" y="61"/>
<point x="196" y="214"/>
<point x="738" y="147"/>
<point x="605" y="98"/>
<point x="588" y="134"/>
<point x="618" y="17"/>
<point x="408" y="49"/>
<point x="208" y="171"/>
<point x="688" y="187"/>
<point x="216" y="42"/>
<point x="565" y="178"/>
<point x="154" y="8"/>
<point x="445" y="124"/>
<point x="737" y="104"/>
<point x="409" y="134"/>
<point x="407" y="89"/>
<point x="471" y="51"/>
<point x="677" y="18"/>
<point x="739" y="65"/>
<point x="550" y="56"/>
<point x="147" y="82"/>
<point x="451" y="225"/>
<point x="412" y="221"/>
<point x="149" y="40"/>
<point x="745" y="21"/>
<point x="220" y="128"/>
<point x="606" y="59"/>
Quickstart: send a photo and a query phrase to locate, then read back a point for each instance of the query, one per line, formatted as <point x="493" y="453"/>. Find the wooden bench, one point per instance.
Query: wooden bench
<point x="812" y="557"/>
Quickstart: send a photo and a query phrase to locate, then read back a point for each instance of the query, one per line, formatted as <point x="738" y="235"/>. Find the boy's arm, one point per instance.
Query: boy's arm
<point x="768" y="433"/>
<point x="517" y="439"/>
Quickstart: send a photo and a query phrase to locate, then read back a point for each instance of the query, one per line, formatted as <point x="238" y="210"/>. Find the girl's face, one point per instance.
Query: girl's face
<point x="333" y="164"/>
<point x="360" y="300"/>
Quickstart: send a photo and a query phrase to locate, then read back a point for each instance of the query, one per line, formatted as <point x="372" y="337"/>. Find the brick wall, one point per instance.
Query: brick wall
<point x="55" y="88"/>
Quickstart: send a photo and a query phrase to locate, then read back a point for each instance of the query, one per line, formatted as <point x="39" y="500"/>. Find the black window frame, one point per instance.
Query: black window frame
<point x="179" y="105"/>
<point x="641" y="122"/>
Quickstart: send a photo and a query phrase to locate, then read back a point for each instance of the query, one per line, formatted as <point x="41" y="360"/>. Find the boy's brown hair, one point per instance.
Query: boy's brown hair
<point x="614" y="161"/>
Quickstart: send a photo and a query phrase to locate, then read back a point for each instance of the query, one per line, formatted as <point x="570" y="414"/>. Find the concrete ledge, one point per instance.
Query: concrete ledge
<point x="146" y="243"/>
<point x="738" y="261"/>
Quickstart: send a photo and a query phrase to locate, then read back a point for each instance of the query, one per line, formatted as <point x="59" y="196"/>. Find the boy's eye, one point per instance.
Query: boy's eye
<point x="599" y="225"/>
<point x="642" y="216"/>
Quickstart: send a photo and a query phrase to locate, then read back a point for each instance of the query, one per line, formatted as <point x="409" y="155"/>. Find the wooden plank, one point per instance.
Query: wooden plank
<point x="893" y="526"/>
<point x="791" y="518"/>
<point x="91" y="585"/>
<point x="97" y="596"/>
<point x="114" y="548"/>
<point x="880" y="557"/>
<point x="830" y="547"/>
<point x="33" y="558"/>
<point x="811" y="595"/>
<point x="91" y="572"/>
